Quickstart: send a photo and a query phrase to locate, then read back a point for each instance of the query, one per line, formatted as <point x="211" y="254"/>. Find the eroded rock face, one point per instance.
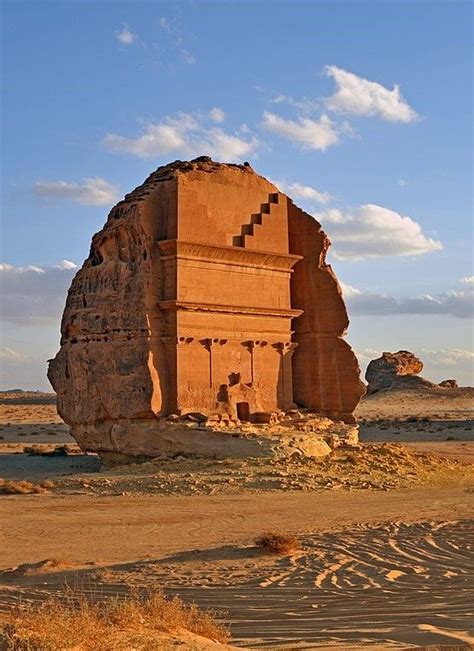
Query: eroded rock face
<point x="206" y="291"/>
<point x="395" y="370"/>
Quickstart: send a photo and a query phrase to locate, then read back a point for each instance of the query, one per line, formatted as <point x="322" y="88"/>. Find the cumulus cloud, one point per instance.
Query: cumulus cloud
<point x="34" y="295"/>
<point x="309" y="134"/>
<point x="91" y="192"/>
<point x="185" y="135"/>
<point x="217" y="114"/>
<point x="448" y="356"/>
<point x="457" y="303"/>
<point x="468" y="280"/>
<point x="300" y="191"/>
<point x="125" y="36"/>
<point x="373" y="232"/>
<point x="358" y="96"/>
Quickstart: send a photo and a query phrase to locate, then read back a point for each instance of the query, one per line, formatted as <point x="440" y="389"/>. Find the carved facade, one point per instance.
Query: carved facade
<point x="206" y="291"/>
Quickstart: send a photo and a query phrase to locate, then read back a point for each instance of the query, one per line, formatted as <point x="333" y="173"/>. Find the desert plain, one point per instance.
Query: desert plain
<point x="384" y="532"/>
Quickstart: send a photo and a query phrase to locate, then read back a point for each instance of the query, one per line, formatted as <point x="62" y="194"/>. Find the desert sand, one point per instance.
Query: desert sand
<point x="385" y="532"/>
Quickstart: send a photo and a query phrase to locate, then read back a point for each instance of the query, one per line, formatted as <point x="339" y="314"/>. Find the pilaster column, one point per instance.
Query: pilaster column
<point x="169" y="345"/>
<point x="285" y="389"/>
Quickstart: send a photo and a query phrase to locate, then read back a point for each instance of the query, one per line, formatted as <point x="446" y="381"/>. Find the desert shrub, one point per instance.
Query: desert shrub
<point x="74" y="620"/>
<point x="277" y="543"/>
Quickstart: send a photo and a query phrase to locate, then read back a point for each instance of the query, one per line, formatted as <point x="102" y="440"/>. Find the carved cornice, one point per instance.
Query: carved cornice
<point x="229" y="255"/>
<point x="228" y="309"/>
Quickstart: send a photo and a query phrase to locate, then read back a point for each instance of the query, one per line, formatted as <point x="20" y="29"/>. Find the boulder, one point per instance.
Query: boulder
<point x="448" y="384"/>
<point x="395" y="370"/>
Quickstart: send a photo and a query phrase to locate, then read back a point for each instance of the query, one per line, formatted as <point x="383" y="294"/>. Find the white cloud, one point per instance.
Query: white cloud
<point x="33" y="295"/>
<point x="448" y="356"/>
<point x="358" y="96"/>
<point x="457" y="303"/>
<point x="349" y="291"/>
<point x="186" y="135"/>
<point x="402" y="183"/>
<point x="305" y="105"/>
<point x="373" y="232"/>
<point x="468" y="280"/>
<point x="217" y="114"/>
<point x="173" y="29"/>
<point x="125" y="36"/>
<point x="11" y="355"/>
<point x="280" y="99"/>
<point x="66" y="264"/>
<point x="309" y="134"/>
<point x="91" y="192"/>
<point x="300" y="191"/>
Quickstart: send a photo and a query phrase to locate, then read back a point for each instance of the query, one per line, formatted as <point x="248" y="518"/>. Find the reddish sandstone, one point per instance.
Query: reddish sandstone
<point x="206" y="291"/>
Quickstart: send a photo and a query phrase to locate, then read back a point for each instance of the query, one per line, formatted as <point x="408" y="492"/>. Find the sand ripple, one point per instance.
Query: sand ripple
<point x="392" y="585"/>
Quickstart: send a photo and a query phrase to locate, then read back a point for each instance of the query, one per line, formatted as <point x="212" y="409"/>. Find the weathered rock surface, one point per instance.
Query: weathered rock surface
<point x="449" y="384"/>
<point x="395" y="370"/>
<point x="207" y="291"/>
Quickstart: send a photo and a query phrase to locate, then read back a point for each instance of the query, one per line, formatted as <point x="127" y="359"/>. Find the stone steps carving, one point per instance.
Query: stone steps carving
<point x="251" y="233"/>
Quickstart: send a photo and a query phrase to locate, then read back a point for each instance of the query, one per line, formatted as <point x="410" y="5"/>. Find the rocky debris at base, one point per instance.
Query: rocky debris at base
<point x="297" y="432"/>
<point x="378" y="467"/>
<point x="395" y="370"/>
<point x="449" y="384"/>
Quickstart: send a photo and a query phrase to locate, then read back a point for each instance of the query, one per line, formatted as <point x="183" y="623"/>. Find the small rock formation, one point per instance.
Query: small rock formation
<point x="395" y="370"/>
<point x="206" y="292"/>
<point x="449" y="384"/>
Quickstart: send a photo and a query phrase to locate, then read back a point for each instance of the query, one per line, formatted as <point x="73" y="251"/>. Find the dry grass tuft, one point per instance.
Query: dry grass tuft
<point x="75" y="621"/>
<point x="23" y="487"/>
<point x="277" y="543"/>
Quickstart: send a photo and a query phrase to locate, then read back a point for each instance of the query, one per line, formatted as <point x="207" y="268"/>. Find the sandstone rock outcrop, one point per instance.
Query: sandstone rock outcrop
<point x="395" y="370"/>
<point x="206" y="291"/>
<point x="449" y="384"/>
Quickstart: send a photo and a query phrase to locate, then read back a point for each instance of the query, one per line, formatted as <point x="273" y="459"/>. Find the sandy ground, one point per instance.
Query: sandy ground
<point x="386" y="554"/>
<point x="435" y="403"/>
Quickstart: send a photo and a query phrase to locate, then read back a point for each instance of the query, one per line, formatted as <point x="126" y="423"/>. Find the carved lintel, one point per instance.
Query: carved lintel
<point x="229" y="255"/>
<point x="175" y="306"/>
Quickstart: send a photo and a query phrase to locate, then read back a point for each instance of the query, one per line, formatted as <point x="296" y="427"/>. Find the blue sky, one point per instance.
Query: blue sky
<point x="98" y="94"/>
